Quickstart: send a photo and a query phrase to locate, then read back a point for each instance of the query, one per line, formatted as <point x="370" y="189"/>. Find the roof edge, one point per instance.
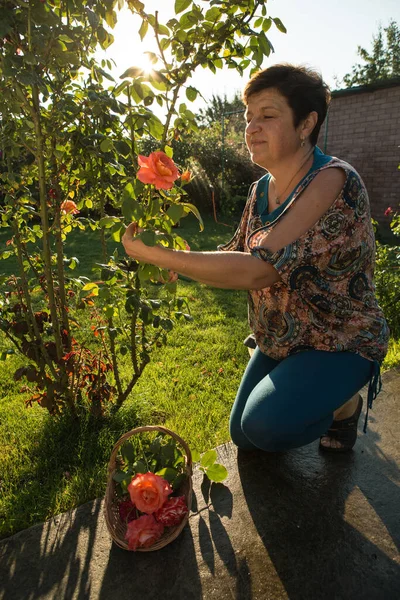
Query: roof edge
<point x="371" y="87"/>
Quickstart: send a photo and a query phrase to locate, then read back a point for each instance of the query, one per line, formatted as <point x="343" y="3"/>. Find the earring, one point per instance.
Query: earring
<point x="303" y="142"/>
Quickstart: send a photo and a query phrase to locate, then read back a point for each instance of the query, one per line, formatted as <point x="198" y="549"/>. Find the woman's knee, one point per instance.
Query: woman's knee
<point x="269" y="434"/>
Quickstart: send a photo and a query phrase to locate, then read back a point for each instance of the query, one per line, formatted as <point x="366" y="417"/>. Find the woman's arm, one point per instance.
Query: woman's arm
<point x="238" y="270"/>
<point x="231" y="270"/>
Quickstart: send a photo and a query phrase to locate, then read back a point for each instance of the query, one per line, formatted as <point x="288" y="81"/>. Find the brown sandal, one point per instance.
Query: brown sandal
<point x="344" y="431"/>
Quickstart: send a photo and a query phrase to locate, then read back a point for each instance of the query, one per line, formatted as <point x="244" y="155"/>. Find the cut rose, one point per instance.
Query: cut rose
<point x="148" y="492"/>
<point x="172" y="512"/>
<point x="143" y="532"/>
<point x="127" y="511"/>
<point x="158" y="169"/>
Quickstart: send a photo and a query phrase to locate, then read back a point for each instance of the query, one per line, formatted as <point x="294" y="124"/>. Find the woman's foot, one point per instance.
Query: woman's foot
<point x="345" y="413"/>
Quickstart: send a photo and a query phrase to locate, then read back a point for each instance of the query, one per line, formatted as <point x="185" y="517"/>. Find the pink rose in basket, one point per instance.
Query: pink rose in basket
<point x="143" y="532"/>
<point x="172" y="512"/>
<point x="148" y="492"/>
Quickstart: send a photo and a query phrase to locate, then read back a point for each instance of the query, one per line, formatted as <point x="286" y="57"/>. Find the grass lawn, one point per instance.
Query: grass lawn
<point x="48" y="466"/>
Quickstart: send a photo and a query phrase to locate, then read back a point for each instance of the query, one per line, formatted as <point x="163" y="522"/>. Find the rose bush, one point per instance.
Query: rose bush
<point x="148" y="492"/>
<point x="143" y="532"/>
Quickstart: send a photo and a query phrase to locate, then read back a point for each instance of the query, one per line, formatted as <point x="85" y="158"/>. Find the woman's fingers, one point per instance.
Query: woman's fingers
<point x="132" y="230"/>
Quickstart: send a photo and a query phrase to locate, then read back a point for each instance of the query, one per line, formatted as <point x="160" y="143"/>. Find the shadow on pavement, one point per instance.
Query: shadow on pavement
<point x="52" y="564"/>
<point x="330" y="523"/>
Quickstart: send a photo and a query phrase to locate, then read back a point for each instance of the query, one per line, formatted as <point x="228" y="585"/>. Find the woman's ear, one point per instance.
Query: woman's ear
<point x="309" y="123"/>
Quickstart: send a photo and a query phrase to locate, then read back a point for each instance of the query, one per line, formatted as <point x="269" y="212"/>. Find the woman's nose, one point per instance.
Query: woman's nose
<point x="252" y="127"/>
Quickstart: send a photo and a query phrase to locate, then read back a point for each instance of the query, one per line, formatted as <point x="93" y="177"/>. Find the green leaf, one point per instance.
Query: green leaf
<point x="264" y="44"/>
<point x="140" y="466"/>
<point x="111" y="18"/>
<point x="208" y="458"/>
<point x="213" y="14"/>
<point x="193" y="209"/>
<point x="143" y="29"/>
<point x="94" y="20"/>
<point x="178" y="481"/>
<point x="121" y="87"/>
<point x="266" y="24"/>
<point x="155" y="445"/>
<point x="169" y="151"/>
<point x="132" y="72"/>
<point x="175" y="213"/>
<point x="216" y="473"/>
<point x="108" y="222"/>
<point x="166" y="324"/>
<point x="122" y="148"/>
<point x="128" y="452"/>
<point x="156" y="128"/>
<point x="168" y="474"/>
<point x="181" y="5"/>
<point x="88" y="203"/>
<point x="117" y="231"/>
<point x="191" y="93"/>
<point x="90" y="287"/>
<point x="280" y="25"/>
<point x="120" y="476"/>
<point x="106" y="145"/>
<point x="148" y="237"/>
<point x="195" y="456"/>
<point x="131" y="209"/>
<point x="4" y="355"/>
<point x="162" y="29"/>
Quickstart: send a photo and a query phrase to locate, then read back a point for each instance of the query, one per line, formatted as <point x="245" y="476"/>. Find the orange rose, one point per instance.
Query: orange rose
<point x="186" y="176"/>
<point x="148" y="492"/>
<point x="158" y="169"/>
<point x="143" y="532"/>
<point x="69" y="207"/>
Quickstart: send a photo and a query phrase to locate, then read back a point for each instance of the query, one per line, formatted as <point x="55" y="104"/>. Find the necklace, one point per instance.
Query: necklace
<point x="278" y="198"/>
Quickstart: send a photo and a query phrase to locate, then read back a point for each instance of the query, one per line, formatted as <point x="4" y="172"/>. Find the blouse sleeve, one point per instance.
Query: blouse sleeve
<point x="237" y="243"/>
<point x="332" y="248"/>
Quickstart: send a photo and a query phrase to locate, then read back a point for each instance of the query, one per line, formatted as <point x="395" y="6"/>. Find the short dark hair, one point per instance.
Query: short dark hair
<point x="303" y="88"/>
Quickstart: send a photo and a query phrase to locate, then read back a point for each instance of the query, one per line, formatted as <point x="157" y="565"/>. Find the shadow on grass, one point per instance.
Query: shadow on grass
<point x="66" y="466"/>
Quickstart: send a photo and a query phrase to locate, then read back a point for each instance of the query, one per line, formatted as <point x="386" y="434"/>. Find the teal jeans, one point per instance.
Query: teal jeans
<point x="290" y="403"/>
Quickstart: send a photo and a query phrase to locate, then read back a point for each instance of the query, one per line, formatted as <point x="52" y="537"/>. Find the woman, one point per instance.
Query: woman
<point x="305" y="251"/>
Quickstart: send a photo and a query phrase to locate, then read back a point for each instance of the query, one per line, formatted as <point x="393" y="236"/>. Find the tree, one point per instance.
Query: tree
<point x="219" y="106"/>
<point x="382" y="63"/>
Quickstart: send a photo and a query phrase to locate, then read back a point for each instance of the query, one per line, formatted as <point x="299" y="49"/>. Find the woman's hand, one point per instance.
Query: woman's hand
<point x="231" y="270"/>
<point x="133" y="245"/>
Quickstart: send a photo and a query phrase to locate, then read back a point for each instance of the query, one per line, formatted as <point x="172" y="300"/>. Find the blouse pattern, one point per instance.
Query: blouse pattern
<point x="326" y="298"/>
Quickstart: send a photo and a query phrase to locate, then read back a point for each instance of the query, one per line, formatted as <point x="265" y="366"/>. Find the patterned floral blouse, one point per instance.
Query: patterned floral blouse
<point x="326" y="297"/>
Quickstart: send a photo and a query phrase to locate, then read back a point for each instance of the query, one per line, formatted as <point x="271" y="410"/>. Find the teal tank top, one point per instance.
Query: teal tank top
<point x="320" y="159"/>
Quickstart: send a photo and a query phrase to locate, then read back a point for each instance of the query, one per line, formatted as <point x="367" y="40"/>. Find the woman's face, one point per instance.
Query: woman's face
<point x="270" y="133"/>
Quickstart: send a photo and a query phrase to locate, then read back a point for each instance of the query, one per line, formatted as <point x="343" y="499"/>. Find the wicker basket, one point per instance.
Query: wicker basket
<point x="115" y="525"/>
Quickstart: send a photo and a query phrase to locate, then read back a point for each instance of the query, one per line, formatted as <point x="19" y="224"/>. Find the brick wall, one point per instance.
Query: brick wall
<point x="363" y="128"/>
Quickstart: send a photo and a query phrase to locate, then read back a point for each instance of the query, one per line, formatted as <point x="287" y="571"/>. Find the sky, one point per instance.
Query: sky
<point x="321" y="34"/>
